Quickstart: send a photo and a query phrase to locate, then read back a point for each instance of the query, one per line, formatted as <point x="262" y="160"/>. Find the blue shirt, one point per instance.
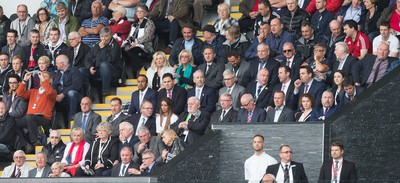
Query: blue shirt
<point x="92" y="39"/>
<point x="276" y="42"/>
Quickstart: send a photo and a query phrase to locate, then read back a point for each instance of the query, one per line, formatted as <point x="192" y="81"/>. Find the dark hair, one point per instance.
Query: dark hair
<point x="142" y="75"/>
<point x="168" y="114"/>
<point x="166" y="75"/>
<point x="14" y="76"/>
<point x="258" y="135"/>
<point x="189" y="26"/>
<point x="340" y="72"/>
<point x="281" y="92"/>
<point x="116" y="99"/>
<point x="233" y="53"/>
<point x="351" y="23"/>
<point x="348" y="82"/>
<point x="287" y="69"/>
<point x="55" y="29"/>
<point x="308" y="68"/>
<point x="267" y="4"/>
<point x="47" y="14"/>
<point x="143" y="7"/>
<point x="209" y="47"/>
<point x="338" y="143"/>
<point x="385" y="24"/>
<point x="309" y="96"/>
<point x="285" y="145"/>
<point x="4" y="53"/>
<point x="13" y="31"/>
<point x="306" y="23"/>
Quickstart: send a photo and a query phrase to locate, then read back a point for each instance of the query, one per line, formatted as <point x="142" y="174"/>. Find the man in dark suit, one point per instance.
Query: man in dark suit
<point x="327" y="109"/>
<point x="239" y="67"/>
<point x="227" y="113"/>
<point x="143" y="93"/>
<point x="290" y="171"/>
<point x="42" y="167"/>
<point x="280" y="113"/>
<point x="250" y="113"/>
<point x="176" y="93"/>
<point x="144" y="118"/>
<point x="331" y="169"/>
<point x="77" y="51"/>
<point x="87" y="120"/>
<point x="350" y="92"/>
<point x="146" y="141"/>
<point x="345" y="61"/>
<point x="126" y="135"/>
<point x="286" y="84"/>
<point x="261" y="90"/>
<point x="212" y="69"/>
<point x="191" y="125"/>
<point x="292" y="60"/>
<point x="264" y="61"/>
<point x="231" y="87"/>
<point x="208" y="96"/>
<point x="117" y="116"/>
<point x="149" y="164"/>
<point x="372" y="68"/>
<point x="127" y="166"/>
<point x="16" y="106"/>
<point x="306" y="84"/>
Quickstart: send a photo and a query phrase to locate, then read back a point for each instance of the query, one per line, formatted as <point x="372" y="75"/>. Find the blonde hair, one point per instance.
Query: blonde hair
<point x="224" y="6"/>
<point x="191" y="59"/>
<point x="170" y="134"/>
<point x="163" y="56"/>
<point x="78" y="130"/>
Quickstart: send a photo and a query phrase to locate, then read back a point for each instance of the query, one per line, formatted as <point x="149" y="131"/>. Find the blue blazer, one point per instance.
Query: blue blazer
<point x="151" y="95"/>
<point x="317" y="113"/>
<point x="316" y="89"/>
<point x="208" y="98"/>
<point x="258" y="115"/>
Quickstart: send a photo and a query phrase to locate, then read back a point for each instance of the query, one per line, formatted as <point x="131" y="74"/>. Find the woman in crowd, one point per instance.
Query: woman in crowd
<point x="166" y="116"/>
<point x="57" y="169"/>
<point x="369" y="27"/>
<point x="119" y="25"/>
<point x="128" y="5"/>
<point x="224" y="19"/>
<point x="173" y="145"/>
<point x="159" y="66"/>
<point x="184" y="72"/>
<point x="43" y="25"/>
<point x="75" y="152"/>
<point x="103" y="152"/>
<point x="139" y="44"/>
<point x="307" y="103"/>
<point x="338" y="77"/>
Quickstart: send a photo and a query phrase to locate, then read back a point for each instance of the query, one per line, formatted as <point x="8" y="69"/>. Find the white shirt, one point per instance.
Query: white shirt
<point x="140" y="123"/>
<point x="278" y="112"/>
<point x="160" y="128"/>
<point x="73" y="154"/>
<point x="341" y="63"/>
<point x="280" y="176"/>
<point x="340" y="164"/>
<point x="255" y="166"/>
<point x="39" y="173"/>
<point x="142" y="93"/>
<point x="198" y="91"/>
<point x="392" y="41"/>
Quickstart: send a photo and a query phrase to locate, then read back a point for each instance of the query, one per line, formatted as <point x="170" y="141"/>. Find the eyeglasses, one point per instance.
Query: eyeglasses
<point x="287" y="51"/>
<point x="246" y="104"/>
<point x="148" y="108"/>
<point x="42" y="14"/>
<point x="319" y="50"/>
<point x="227" y="79"/>
<point x="71" y="39"/>
<point x="287" y="152"/>
<point x="13" y="83"/>
<point x="19" y="157"/>
<point x="53" y="137"/>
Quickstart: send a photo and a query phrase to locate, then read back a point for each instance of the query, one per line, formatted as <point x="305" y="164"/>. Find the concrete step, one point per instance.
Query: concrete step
<point x="30" y="157"/>
<point x="128" y="90"/>
<point x="101" y="107"/>
<point x="38" y="149"/>
<point x="125" y="98"/>
<point x="104" y="114"/>
<point x="236" y="15"/>
<point x="131" y="82"/>
<point x="234" y="9"/>
<point x="32" y="163"/>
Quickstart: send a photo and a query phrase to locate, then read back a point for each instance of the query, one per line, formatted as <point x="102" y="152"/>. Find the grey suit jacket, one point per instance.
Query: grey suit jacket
<point x="155" y="144"/>
<point x="115" y="123"/>
<point x="93" y="120"/>
<point x="117" y="168"/>
<point x="45" y="173"/>
<point x="236" y="93"/>
<point x="287" y="115"/>
<point x="214" y="76"/>
<point x="242" y="73"/>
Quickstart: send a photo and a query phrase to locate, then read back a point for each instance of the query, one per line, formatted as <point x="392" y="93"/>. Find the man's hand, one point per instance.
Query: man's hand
<point x="133" y="171"/>
<point x="297" y="84"/>
<point x="170" y="18"/>
<point x="28" y="76"/>
<point x="141" y="147"/>
<point x="60" y="97"/>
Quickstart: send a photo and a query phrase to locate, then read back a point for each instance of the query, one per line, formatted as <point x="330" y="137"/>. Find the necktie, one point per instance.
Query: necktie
<point x="249" y="114"/>
<point x="18" y="174"/>
<point x="83" y="126"/>
<point x="326" y="111"/>
<point x="377" y="71"/>
<point x="223" y="115"/>
<point x="169" y="94"/>
<point x="123" y="171"/>
<point x="228" y="90"/>
<point x="259" y="90"/>
<point x="283" y="87"/>
<point x="198" y="93"/>
<point x="143" y="121"/>
<point x="140" y="98"/>
<point x="112" y="117"/>
<point x="306" y="89"/>
<point x="286" y="176"/>
<point x="207" y="68"/>
<point x="75" y="54"/>
<point x="288" y="63"/>
<point x="61" y="78"/>
<point x="336" y="170"/>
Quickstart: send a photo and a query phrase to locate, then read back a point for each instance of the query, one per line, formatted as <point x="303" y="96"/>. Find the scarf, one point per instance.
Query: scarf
<point x="187" y="73"/>
<point x="78" y="157"/>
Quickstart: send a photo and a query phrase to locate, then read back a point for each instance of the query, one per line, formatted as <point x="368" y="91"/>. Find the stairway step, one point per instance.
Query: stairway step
<point x="32" y="163"/>
<point x="131" y="82"/>
<point x="65" y="132"/>
<point x="236" y="15"/>
<point x="38" y="149"/>
<point x="125" y="98"/>
<point x="101" y="107"/>
<point x="104" y="114"/>
<point x="128" y="90"/>
<point x="30" y="157"/>
<point x="234" y="9"/>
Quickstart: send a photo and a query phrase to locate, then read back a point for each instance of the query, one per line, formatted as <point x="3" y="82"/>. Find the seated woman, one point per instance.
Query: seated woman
<point x="165" y="117"/>
<point x="139" y="45"/>
<point x="173" y="145"/>
<point x="119" y="25"/>
<point x="234" y="41"/>
<point x="43" y="25"/>
<point x="103" y="152"/>
<point x="159" y="66"/>
<point x="75" y="152"/>
<point x="57" y="169"/>
<point x="184" y="72"/>
<point x="320" y="65"/>
<point x="338" y="77"/>
<point x="128" y="5"/>
<point x="224" y="19"/>
<point x="307" y="103"/>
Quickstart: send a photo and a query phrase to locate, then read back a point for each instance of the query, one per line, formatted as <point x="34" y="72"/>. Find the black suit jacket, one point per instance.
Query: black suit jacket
<point x="289" y="93"/>
<point x="230" y="116"/>
<point x="72" y="81"/>
<point x="264" y="99"/>
<point x="151" y="95"/>
<point x="197" y="126"/>
<point x="343" y="99"/>
<point x="299" y="175"/>
<point x="214" y="75"/>
<point x="80" y="58"/>
<point x="348" y="172"/>
<point x="150" y="123"/>
<point x="316" y="89"/>
<point x="287" y="115"/>
<point x="363" y="68"/>
<point x="272" y="65"/>
<point x="39" y="51"/>
<point x="258" y="115"/>
<point x="295" y="67"/>
<point x="117" y="168"/>
<point x="348" y="66"/>
<point x="208" y="98"/>
<point x="178" y="98"/>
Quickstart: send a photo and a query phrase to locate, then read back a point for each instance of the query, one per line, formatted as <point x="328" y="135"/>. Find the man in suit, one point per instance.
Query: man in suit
<point x="239" y="67"/>
<point x="19" y="168"/>
<point x="42" y="170"/>
<point x="176" y="93"/>
<point x="208" y="96"/>
<point x="287" y="170"/>
<point x="250" y="113"/>
<point x="117" y="116"/>
<point x="350" y="92"/>
<point x="345" y="61"/>
<point x="212" y="69"/>
<point x="231" y="87"/>
<point x="261" y="90"/>
<point x="77" y="51"/>
<point x="7" y="131"/>
<point x="191" y="125"/>
<point x="280" y="113"/>
<point x="372" y="68"/>
<point x="338" y="169"/>
<point x="306" y="84"/>
<point x="127" y="166"/>
<point x="143" y="93"/>
<point x="4" y="68"/>
<point x="286" y="84"/>
<point x="327" y="109"/>
<point x="227" y="113"/>
<point x="255" y="166"/>
<point x="264" y="61"/>
<point x="149" y="164"/>
<point x="144" y="118"/>
<point x="146" y="141"/>
<point x="292" y="60"/>
<point x="87" y="120"/>
<point x="126" y="135"/>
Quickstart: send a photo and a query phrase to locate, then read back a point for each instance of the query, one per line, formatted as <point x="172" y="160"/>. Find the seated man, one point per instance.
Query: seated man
<point x="32" y="51"/>
<point x="19" y="168"/>
<point x="91" y="27"/>
<point x="126" y="136"/>
<point x="239" y="67"/>
<point x="77" y="50"/>
<point x="277" y="38"/>
<point x="103" y="61"/>
<point x="280" y="113"/>
<point x="292" y="60"/>
<point x="192" y="124"/>
<point x="212" y="69"/>
<point x="42" y="169"/>
<point x="250" y="113"/>
<point x="350" y="92"/>
<point x="23" y="24"/>
<point x="264" y="31"/>
<point x="286" y="85"/>
<point x="5" y="23"/>
<point x="127" y="167"/>
<point x="305" y="44"/>
<point x="213" y="39"/>
<point x="117" y="116"/>
<point x="87" y="120"/>
<point x="17" y="69"/>
<point x="227" y="113"/>
<point x="208" y="96"/>
<point x="388" y="38"/>
<point x="68" y="84"/>
<point x="16" y="106"/>
<point x="231" y="87"/>
<point x="327" y="109"/>
<point x="146" y="141"/>
<point x="264" y="60"/>
<point x="235" y="41"/>
<point x="12" y="48"/>
<point x="176" y="93"/>
<point x="55" y="47"/>
<point x="54" y="150"/>
<point x="261" y="90"/>
<point x="143" y="93"/>
<point x="149" y="164"/>
<point x="7" y="132"/>
<point x="40" y="106"/>
<point x="358" y="42"/>
<point x="294" y="17"/>
<point x="144" y="118"/>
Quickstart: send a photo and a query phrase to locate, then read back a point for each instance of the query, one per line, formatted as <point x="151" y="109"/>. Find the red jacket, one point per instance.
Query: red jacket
<point x="332" y="6"/>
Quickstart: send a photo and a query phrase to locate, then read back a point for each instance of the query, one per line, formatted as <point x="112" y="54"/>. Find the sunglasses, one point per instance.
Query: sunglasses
<point x="287" y="51"/>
